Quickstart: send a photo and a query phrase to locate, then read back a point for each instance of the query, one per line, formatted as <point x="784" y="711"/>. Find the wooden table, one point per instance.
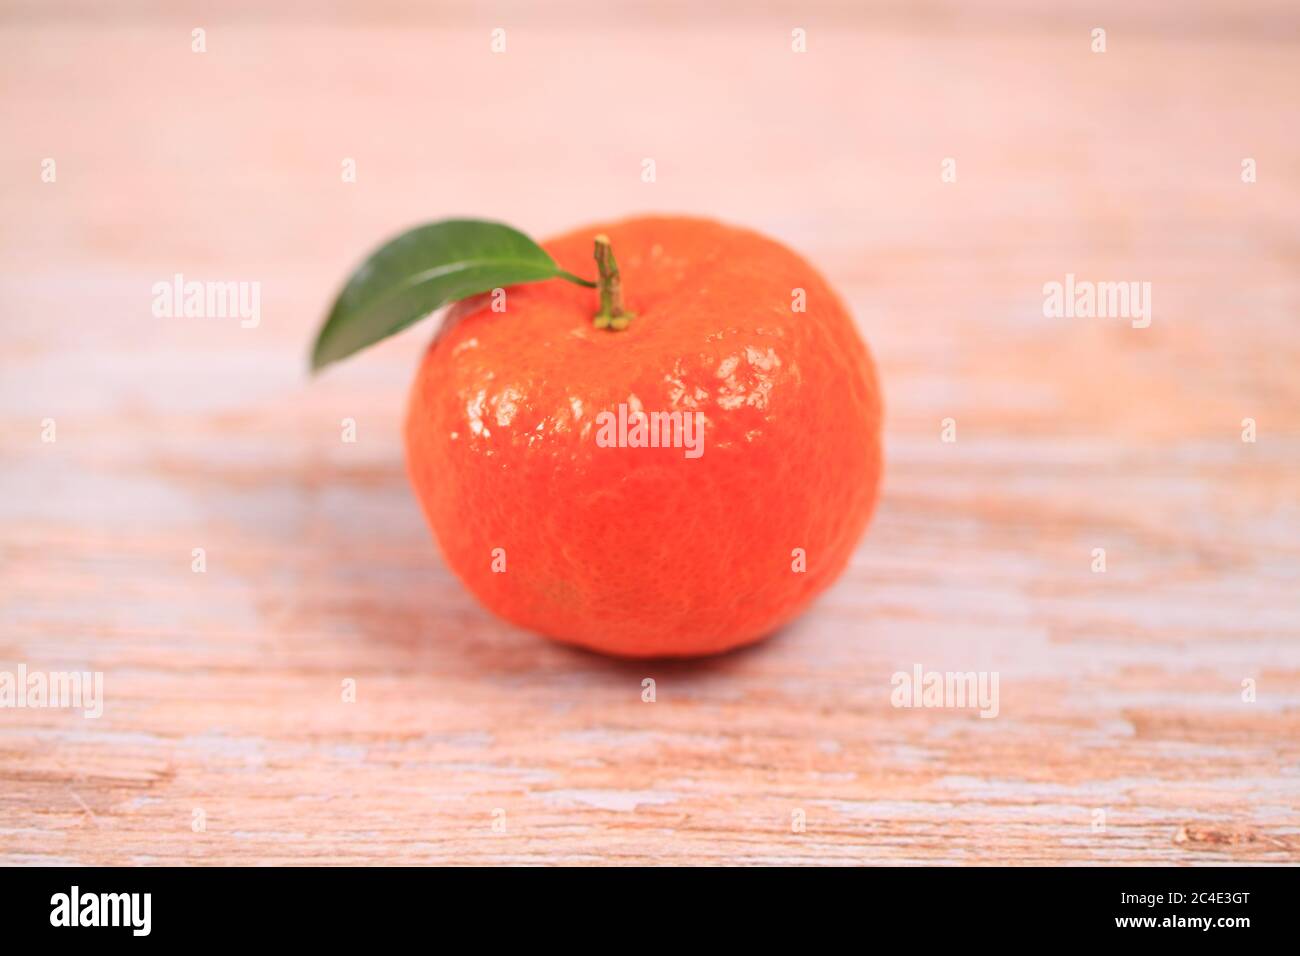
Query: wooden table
<point x="1122" y="737"/>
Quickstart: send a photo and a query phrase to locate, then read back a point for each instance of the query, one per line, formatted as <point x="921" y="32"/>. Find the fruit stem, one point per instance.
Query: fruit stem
<point x="612" y="315"/>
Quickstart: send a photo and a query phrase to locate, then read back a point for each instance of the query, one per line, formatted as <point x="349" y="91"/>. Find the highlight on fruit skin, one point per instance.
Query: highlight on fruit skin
<point x="530" y="447"/>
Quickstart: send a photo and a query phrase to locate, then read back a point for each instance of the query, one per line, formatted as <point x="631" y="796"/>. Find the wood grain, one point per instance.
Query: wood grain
<point x="1119" y="691"/>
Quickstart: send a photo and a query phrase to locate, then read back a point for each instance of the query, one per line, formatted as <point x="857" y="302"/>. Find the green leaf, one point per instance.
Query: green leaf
<point x="422" y="270"/>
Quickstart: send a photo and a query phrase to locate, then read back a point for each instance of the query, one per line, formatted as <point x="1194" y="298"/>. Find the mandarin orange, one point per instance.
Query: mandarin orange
<point x="526" y="443"/>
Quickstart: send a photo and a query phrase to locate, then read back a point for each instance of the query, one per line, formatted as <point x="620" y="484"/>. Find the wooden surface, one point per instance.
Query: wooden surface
<point x="1119" y="691"/>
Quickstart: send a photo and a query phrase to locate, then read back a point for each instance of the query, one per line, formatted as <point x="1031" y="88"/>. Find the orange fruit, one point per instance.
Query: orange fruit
<point x="557" y="520"/>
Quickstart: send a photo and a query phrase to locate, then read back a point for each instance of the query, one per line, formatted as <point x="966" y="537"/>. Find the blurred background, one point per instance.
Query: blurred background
<point x="1121" y="691"/>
